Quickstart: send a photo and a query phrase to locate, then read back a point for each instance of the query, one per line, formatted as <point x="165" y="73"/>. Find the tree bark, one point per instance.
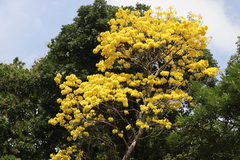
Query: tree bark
<point x="133" y="144"/>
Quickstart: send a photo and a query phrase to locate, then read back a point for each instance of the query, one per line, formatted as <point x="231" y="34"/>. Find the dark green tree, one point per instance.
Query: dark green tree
<point x="25" y="132"/>
<point x="17" y="110"/>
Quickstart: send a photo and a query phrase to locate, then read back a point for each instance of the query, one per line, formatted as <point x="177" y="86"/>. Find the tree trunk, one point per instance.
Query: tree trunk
<point x="133" y="144"/>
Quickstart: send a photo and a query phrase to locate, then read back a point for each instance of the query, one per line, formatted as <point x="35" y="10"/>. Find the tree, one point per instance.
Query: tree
<point x="17" y="110"/>
<point x="134" y="105"/>
<point x="24" y="129"/>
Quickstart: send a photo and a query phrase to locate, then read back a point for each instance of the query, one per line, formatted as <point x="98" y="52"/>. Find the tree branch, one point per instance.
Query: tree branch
<point x="133" y="144"/>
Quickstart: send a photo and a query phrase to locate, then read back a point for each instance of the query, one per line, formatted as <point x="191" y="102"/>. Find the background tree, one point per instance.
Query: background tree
<point x="163" y="51"/>
<point x="24" y="129"/>
<point x="17" y="110"/>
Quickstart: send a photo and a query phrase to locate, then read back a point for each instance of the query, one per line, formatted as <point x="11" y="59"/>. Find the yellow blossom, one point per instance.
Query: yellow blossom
<point x="110" y="119"/>
<point x="120" y="135"/>
<point x="114" y="131"/>
<point x="126" y="111"/>
<point x="86" y="134"/>
<point x="69" y="138"/>
<point x="210" y="71"/>
<point x="128" y="127"/>
<point x="52" y="122"/>
<point x="168" y="126"/>
<point x="164" y="73"/>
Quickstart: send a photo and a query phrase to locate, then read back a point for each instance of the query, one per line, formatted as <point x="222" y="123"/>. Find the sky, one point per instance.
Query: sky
<point x="28" y="25"/>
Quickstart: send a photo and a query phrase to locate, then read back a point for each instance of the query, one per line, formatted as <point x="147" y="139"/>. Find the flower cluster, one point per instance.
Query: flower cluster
<point x="82" y="99"/>
<point x="66" y="154"/>
<point x="162" y="37"/>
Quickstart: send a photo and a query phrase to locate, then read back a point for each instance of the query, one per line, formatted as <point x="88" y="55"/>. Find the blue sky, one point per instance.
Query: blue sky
<point x="27" y="25"/>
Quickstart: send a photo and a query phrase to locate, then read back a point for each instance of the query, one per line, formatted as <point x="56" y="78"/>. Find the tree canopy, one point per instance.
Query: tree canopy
<point x="165" y="52"/>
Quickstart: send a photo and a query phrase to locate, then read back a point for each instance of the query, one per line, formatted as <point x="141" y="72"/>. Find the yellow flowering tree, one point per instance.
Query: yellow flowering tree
<point x="163" y="50"/>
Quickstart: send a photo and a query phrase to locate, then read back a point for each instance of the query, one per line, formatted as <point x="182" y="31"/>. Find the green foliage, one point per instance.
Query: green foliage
<point x="139" y="7"/>
<point x="24" y="128"/>
<point x="16" y="109"/>
<point x="230" y="87"/>
<point x="9" y="157"/>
